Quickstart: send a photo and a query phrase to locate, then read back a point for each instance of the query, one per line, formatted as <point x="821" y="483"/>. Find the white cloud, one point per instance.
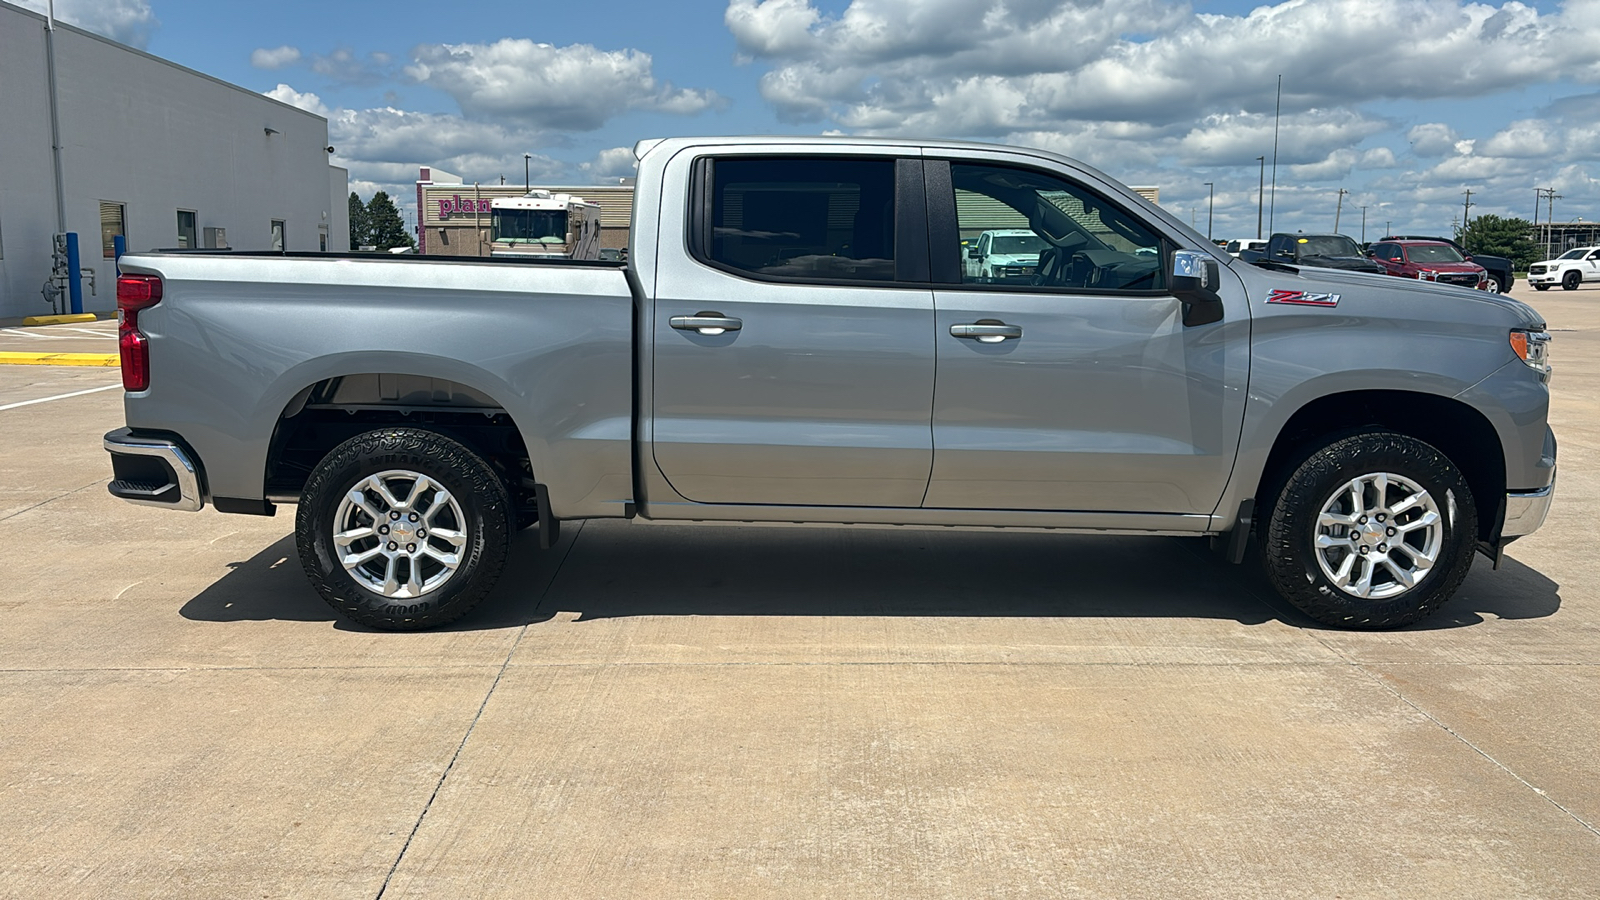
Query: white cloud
<point x="275" y="58"/>
<point x="612" y="163"/>
<point x="1433" y="139"/>
<point x="126" y="21"/>
<point x="572" y="88"/>
<point x="309" y="102"/>
<point x="1045" y="62"/>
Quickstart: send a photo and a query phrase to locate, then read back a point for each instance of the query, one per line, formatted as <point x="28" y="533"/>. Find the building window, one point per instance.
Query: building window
<point x="322" y="239"/>
<point x="111" y="227"/>
<point x="277" y="234"/>
<point x="186" y="230"/>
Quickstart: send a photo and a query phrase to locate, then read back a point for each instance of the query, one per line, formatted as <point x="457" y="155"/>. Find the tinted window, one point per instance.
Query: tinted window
<point x="813" y="218"/>
<point x="1328" y="245"/>
<point x="1068" y="237"/>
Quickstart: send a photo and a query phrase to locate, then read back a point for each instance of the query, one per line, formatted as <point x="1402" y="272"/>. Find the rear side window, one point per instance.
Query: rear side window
<point x="828" y="219"/>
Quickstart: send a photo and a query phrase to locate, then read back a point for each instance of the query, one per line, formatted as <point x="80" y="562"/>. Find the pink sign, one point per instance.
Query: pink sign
<point x="457" y="206"/>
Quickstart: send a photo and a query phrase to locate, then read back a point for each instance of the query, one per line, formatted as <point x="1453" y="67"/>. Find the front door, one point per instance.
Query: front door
<point x="794" y="364"/>
<point x="1076" y="386"/>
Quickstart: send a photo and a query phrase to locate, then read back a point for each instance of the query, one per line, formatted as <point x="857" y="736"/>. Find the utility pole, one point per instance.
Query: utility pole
<point x="527" y="186"/>
<point x="1277" y="113"/>
<point x="1466" y="216"/>
<point x="1261" y="194"/>
<point x="1338" y="209"/>
<point x="1211" y="208"/>
<point x="1550" y="197"/>
<point x="1363" y="224"/>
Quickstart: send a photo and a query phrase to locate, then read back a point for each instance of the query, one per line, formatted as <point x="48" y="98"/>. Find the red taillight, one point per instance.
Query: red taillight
<point x="135" y="292"/>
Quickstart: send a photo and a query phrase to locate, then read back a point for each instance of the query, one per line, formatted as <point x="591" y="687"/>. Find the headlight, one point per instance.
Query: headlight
<point x="1533" y="348"/>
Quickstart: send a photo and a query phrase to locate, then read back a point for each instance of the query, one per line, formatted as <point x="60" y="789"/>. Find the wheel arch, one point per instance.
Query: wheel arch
<point x="318" y="407"/>
<point x="1456" y="429"/>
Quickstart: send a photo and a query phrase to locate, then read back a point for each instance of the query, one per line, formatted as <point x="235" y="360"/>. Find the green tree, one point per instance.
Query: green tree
<point x="360" y="230"/>
<point x="1509" y="237"/>
<point x="388" y="230"/>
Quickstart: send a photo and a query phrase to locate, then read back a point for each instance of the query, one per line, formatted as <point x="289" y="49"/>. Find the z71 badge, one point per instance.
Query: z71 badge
<point x="1301" y="298"/>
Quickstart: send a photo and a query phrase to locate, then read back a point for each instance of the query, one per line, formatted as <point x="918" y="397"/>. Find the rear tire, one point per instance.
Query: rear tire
<point x="1373" y="531"/>
<point x="1570" y="281"/>
<point x="403" y="529"/>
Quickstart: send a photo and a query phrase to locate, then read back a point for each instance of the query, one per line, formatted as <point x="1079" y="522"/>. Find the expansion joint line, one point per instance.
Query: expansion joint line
<point x="504" y="664"/>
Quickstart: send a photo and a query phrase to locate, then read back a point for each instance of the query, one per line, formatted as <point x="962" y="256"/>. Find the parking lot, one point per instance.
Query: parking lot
<point x="669" y="711"/>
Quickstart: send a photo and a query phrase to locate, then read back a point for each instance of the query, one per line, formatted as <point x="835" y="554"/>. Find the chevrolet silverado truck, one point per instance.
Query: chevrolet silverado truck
<point x="1323" y="251"/>
<point x="1569" y="270"/>
<point x="795" y="338"/>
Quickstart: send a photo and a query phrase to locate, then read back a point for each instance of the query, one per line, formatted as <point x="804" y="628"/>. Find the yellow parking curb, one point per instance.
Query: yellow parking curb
<point x="67" y="319"/>
<point x="105" y="360"/>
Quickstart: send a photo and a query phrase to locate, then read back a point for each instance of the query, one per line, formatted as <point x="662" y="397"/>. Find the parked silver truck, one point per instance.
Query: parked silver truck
<point x="796" y="337"/>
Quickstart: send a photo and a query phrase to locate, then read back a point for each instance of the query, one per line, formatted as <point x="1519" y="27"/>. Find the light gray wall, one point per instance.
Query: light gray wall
<point x="156" y="137"/>
<point x="338" y="209"/>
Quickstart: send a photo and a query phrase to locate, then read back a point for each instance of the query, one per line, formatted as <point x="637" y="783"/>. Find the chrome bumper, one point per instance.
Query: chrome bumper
<point x="1525" y="510"/>
<point x="153" y="472"/>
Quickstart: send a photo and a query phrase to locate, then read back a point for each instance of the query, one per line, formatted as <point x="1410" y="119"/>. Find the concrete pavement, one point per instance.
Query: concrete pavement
<point x="668" y="711"/>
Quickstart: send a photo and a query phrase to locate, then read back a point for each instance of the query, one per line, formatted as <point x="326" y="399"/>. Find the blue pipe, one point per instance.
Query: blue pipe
<point x="119" y="246"/>
<point x="74" y="277"/>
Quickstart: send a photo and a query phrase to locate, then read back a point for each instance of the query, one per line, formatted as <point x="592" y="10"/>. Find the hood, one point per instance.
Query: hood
<point x="1450" y="267"/>
<point x="1519" y="314"/>
<point x="1353" y="263"/>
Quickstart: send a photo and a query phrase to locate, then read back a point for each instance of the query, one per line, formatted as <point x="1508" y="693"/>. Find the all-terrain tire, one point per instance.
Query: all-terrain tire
<point x="1291" y="553"/>
<point x="478" y="514"/>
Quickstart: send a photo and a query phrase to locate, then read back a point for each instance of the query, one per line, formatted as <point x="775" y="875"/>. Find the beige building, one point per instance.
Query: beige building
<point x="453" y="217"/>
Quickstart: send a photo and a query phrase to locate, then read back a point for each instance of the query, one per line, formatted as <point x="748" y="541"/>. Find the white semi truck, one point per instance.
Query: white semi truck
<point x="544" y="224"/>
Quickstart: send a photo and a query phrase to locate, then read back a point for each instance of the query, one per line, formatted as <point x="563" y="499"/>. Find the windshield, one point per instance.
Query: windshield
<point x="1433" y="253"/>
<point x="1016" y="244"/>
<point x="1328" y="245"/>
<point x="1573" y="254"/>
<point x="530" y="226"/>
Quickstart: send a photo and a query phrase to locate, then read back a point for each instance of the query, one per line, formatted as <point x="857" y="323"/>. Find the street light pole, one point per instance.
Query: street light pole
<point x="1276" y="115"/>
<point x="1261" y="194"/>
<point x="1211" y="208"/>
<point x="527" y="186"/>
<point x="1363" y="224"/>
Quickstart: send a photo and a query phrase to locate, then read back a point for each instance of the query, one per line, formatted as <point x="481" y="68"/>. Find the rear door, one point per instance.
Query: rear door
<point x="793" y="356"/>
<point x="1076" y="387"/>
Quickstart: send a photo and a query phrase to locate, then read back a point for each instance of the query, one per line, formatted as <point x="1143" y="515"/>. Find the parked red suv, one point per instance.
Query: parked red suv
<point x="1428" y="261"/>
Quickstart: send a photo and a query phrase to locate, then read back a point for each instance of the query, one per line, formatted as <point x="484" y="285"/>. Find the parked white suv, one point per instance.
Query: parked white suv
<point x="1569" y="270"/>
<point x="1004" y="254"/>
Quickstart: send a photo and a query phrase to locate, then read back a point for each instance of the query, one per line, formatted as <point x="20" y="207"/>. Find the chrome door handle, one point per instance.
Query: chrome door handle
<point x="706" y="323"/>
<point x="987" y="332"/>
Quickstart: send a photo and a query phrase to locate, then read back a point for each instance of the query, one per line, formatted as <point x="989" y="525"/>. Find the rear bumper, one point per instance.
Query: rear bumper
<point x="1525" y="510"/>
<point x="154" y="471"/>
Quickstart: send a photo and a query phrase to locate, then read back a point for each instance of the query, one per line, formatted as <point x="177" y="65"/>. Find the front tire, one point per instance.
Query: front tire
<point x="1373" y="531"/>
<point x="1570" y="281"/>
<point x="403" y="529"/>
<point x="1541" y="287"/>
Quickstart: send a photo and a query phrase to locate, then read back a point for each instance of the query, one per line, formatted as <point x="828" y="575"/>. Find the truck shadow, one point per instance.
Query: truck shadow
<point x="612" y="569"/>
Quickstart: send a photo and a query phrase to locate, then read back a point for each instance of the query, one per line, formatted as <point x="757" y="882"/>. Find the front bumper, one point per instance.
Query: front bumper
<point x="154" y="471"/>
<point x="1525" y="510"/>
<point x="1545" y="278"/>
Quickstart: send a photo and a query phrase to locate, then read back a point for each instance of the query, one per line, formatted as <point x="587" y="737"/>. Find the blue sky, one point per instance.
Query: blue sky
<point x="1403" y="103"/>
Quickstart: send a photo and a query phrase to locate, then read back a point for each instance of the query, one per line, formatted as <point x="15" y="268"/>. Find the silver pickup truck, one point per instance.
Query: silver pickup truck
<point x="796" y="337"/>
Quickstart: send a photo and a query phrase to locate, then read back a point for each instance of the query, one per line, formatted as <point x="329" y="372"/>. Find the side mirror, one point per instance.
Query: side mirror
<point x="1195" y="279"/>
<point x="972" y="253"/>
